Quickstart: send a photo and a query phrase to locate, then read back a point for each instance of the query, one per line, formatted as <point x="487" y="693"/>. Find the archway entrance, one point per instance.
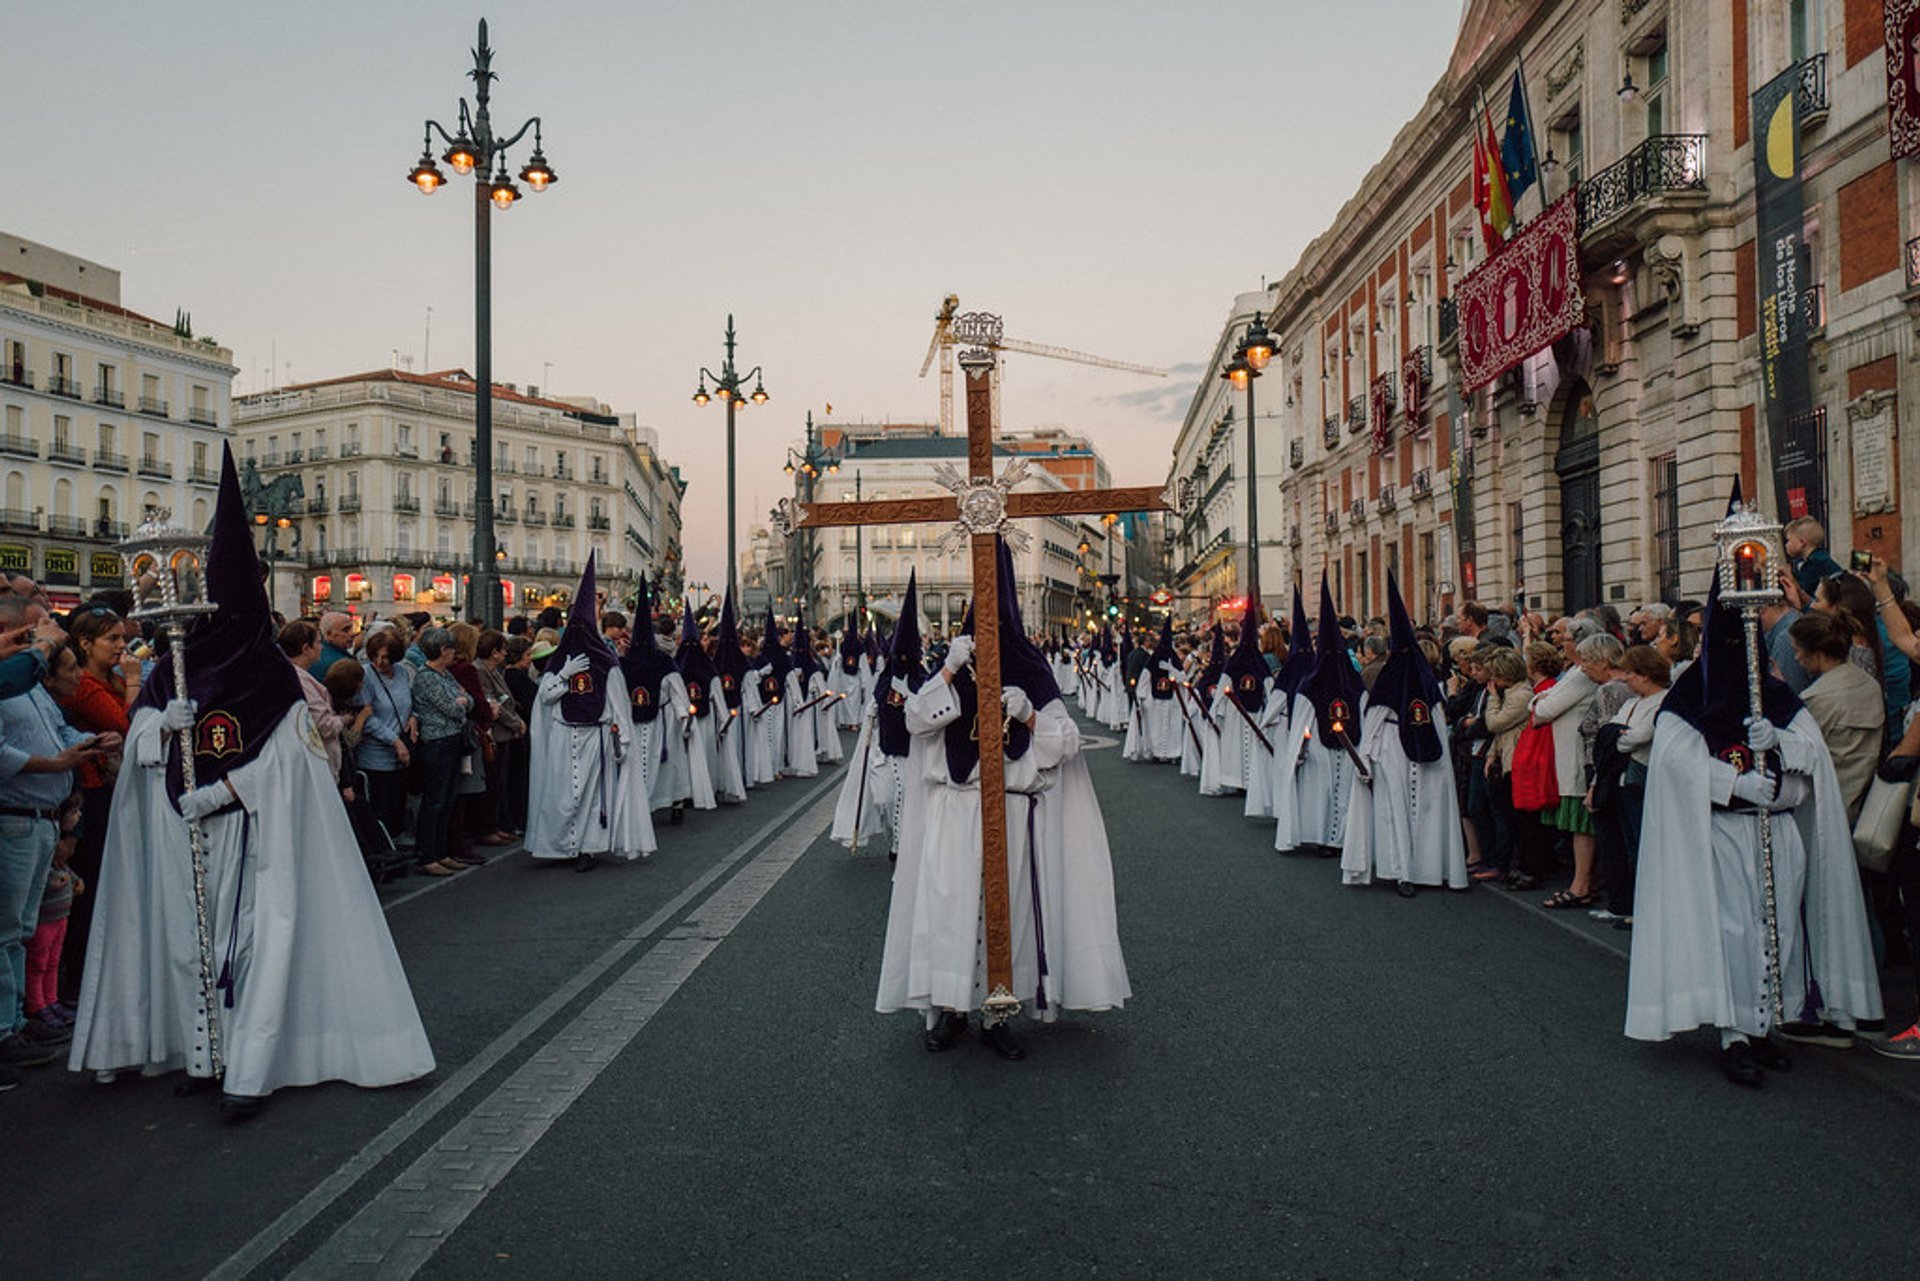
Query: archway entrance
<point x="1578" y="467"/>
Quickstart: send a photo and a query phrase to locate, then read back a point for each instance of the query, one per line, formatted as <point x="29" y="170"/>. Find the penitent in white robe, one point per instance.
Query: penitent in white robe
<point x="826" y="721"/>
<point x="935" y="957"/>
<point x="1193" y="739"/>
<point x="846" y="710"/>
<point x="1323" y="783"/>
<point x="1699" y="922"/>
<point x="319" y="993"/>
<point x="586" y="792"/>
<point x="686" y="773"/>
<point x="1405" y="824"/>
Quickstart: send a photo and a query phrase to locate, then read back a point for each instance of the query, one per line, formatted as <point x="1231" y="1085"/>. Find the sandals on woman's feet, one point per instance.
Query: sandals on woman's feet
<point x="1568" y="899"/>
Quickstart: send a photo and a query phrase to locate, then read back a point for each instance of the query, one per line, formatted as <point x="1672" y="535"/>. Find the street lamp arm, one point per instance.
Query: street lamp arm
<point x="521" y="132"/>
<point x="436" y="127"/>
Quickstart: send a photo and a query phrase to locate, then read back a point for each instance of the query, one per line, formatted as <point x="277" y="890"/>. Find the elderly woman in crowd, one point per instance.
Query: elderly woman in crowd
<point x="442" y="708"/>
<point x="1503" y="716"/>
<point x="1846" y="702"/>
<point x="390" y="734"/>
<point x="1563" y="705"/>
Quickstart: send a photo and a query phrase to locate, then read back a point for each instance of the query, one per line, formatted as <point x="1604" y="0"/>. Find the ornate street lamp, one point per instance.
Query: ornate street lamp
<point x="809" y="462"/>
<point x="473" y="148"/>
<point x="1250" y="360"/>
<point x="726" y="385"/>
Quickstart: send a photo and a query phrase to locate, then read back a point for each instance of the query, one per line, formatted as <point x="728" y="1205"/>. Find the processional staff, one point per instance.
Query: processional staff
<point x="166" y="571"/>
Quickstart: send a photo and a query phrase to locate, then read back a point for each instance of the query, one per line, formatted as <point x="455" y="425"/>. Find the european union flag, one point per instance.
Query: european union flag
<point x="1517" y="155"/>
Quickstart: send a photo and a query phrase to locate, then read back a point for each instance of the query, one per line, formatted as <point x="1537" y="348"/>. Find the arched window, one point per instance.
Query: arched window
<point x="201" y="515"/>
<point x="16" y="496"/>
<point x="63" y="497"/>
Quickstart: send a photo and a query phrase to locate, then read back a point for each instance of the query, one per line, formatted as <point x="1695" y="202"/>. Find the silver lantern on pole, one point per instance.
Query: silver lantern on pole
<point x="166" y="569"/>
<point x="1752" y="557"/>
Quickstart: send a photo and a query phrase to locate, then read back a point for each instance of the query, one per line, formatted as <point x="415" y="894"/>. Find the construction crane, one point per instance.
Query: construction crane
<point x="942" y="348"/>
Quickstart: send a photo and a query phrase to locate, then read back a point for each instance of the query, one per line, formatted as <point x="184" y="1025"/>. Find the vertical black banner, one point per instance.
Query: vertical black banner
<point x="1791" y="430"/>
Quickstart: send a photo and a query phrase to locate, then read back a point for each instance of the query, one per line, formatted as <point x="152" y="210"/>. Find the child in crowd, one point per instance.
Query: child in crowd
<point x="42" y="997"/>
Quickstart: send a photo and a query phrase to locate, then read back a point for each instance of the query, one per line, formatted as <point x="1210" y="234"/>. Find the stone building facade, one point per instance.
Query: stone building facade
<point x="385" y="464"/>
<point x="1594" y="471"/>
<point x="105" y="415"/>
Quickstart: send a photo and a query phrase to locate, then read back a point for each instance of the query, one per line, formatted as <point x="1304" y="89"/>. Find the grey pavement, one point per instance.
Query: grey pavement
<point x="674" y="1069"/>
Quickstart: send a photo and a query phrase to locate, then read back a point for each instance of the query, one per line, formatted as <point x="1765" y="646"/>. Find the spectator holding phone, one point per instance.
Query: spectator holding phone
<point x="39" y="753"/>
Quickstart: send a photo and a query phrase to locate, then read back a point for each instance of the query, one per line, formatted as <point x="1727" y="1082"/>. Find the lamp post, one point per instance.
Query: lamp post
<point x="726" y="385"/>
<point x="1249" y="362"/>
<point x="475" y="149"/>
<point x="809" y="461"/>
<point x="270" y="550"/>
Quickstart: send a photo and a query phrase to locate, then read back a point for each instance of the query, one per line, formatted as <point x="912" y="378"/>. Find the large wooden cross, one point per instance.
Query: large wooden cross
<point x="982" y="505"/>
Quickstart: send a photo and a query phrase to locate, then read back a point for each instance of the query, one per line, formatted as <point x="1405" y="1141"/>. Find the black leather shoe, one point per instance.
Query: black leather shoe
<point x="1404" y="889"/>
<point x="1738" y="1065"/>
<point x="585" y="862"/>
<point x="1770" y="1056"/>
<point x="194" y="1085"/>
<point x="679" y="817"/>
<point x="240" y="1107"/>
<point x="946" y="1032"/>
<point x="999" y="1039"/>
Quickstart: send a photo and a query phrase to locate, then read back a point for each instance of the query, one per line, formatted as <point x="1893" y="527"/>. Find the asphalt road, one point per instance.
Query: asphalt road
<point x="673" y="1069"/>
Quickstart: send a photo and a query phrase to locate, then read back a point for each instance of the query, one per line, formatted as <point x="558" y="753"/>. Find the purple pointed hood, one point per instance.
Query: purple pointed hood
<point x="905" y="660"/>
<point x="236" y="675"/>
<point x="1021" y="664"/>
<point x="1333" y="686"/>
<point x="1406" y="683"/>
<point x="1299" y="660"/>
<point x="1247" y="672"/>
<point x="645" y="665"/>
<point x="695" y="667"/>
<point x="728" y="662"/>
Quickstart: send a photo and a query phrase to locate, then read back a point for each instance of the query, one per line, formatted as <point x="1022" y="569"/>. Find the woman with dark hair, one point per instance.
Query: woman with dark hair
<point x="507" y="728"/>
<point x="1873" y="652"/>
<point x="520" y="679"/>
<point x="475" y="810"/>
<point x="109" y="682"/>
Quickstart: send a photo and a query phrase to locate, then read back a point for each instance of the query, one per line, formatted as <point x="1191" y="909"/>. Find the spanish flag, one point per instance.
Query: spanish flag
<point x="1490" y="193"/>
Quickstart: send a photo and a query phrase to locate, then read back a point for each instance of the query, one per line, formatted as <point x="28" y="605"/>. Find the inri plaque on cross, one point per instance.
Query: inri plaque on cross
<point x="982" y="505"/>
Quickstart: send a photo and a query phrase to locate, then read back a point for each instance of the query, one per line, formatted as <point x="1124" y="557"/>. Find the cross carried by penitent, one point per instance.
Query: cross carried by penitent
<point x="982" y="506"/>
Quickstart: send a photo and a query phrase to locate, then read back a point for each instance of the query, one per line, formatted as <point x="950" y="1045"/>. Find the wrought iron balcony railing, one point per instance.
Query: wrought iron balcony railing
<point x="317" y="505"/>
<point x="349" y="504"/>
<point x="200" y="416"/>
<point x="154" y="407"/>
<point x="108" y="460"/>
<point x="19" y="446"/>
<point x="1297" y="452"/>
<point x="1815" y="306"/>
<point x="67" y="526"/>
<point x="1913" y="263"/>
<point x="1387" y="501"/>
<point x="1666" y="162"/>
<point x="1812" y="89"/>
<point x="599" y="522"/>
<point x="158" y="468"/>
<point x="1422" y="486"/>
<point x="19" y="519"/>
<point x="1357" y="510"/>
<point x="17" y="375"/>
<point x="1330" y="431"/>
<point x="110" y="396"/>
<point x="58" y="386"/>
<point x="406" y="503"/>
<point x="1331" y="522"/>
<point x="202" y="476"/>
<point x="1357" y="413"/>
<point x="115" y="529"/>
<point x="61" y="451"/>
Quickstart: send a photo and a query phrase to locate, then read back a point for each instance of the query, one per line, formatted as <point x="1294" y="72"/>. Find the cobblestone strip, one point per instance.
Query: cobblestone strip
<point x="396" y="1232"/>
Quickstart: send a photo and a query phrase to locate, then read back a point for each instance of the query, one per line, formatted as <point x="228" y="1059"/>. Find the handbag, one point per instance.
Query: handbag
<point x="1536" y="779"/>
<point x="1884" y="813"/>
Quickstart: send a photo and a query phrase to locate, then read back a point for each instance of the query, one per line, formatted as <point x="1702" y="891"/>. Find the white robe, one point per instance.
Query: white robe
<point x="846" y="711"/>
<point x="1234" y="750"/>
<point x="802" y="742"/>
<point x="765" y="724"/>
<point x="1263" y="767"/>
<point x="1193" y="740"/>
<point x="826" y="720"/>
<point x="935" y="951"/>
<point x="319" y="993"/>
<point x="1323" y="784"/>
<point x="1699" y="932"/>
<point x="863" y="812"/>
<point x="727" y="739"/>
<point x="586" y="791"/>
<point x="688" y="772"/>
<point x="1405" y="824"/>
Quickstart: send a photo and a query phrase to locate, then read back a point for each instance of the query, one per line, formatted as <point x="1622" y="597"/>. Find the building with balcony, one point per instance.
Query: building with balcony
<point x="1594" y="471"/>
<point x="105" y="415"/>
<point x="1059" y="583"/>
<point x="385" y="464"/>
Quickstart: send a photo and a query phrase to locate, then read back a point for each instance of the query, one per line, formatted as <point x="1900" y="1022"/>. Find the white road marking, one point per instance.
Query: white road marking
<point x="283" y="1229"/>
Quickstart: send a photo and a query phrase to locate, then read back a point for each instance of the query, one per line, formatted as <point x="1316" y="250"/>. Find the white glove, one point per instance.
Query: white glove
<point x="573" y="667"/>
<point x="959" y="650"/>
<point x="1756" y="787"/>
<point x="1761" y="735"/>
<point x="1019" y="706"/>
<point x="202" y="801"/>
<point x="178" y="715"/>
